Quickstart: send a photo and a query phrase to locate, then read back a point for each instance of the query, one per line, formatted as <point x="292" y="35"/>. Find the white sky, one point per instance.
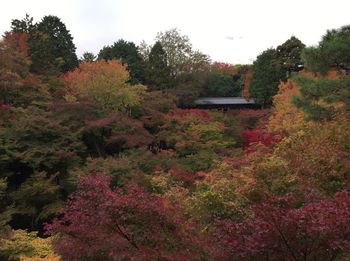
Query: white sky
<point x="228" y="30"/>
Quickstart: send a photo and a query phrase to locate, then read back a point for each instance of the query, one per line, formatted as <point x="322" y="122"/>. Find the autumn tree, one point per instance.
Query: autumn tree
<point x="318" y="229"/>
<point x="127" y="223"/>
<point x="105" y="82"/>
<point x="129" y="54"/>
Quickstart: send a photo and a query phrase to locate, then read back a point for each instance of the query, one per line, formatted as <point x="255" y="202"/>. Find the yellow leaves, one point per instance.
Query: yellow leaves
<point x="27" y="247"/>
<point x="106" y="82"/>
<point x="286" y="118"/>
<point x="318" y="153"/>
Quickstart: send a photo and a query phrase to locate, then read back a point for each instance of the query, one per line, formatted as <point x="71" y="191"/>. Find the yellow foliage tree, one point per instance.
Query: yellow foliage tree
<point x="286" y="118"/>
<point x="27" y="246"/>
<point x="105" y="82"/>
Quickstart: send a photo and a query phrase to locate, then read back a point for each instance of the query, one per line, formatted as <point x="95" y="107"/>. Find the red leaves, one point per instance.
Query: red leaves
<point x="186" y="177"/>
<point x="225" y="67"/>
<point x="100" y="223"/>
<point x="184" y="114"/>
<point x="256" y="136"/>
<point x="318" y="229"/>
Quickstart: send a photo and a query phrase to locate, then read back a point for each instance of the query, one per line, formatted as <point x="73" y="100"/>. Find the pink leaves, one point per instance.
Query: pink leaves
<point x="256" y="136"/>
<point x="278" y="229"/>
<point x="99" y="222"/>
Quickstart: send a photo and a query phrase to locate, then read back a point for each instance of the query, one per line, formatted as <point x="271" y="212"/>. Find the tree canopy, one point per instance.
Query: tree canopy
<point x="51" y="35"/>
<point x="129" y="54"/>
<point x="266" y="77"/>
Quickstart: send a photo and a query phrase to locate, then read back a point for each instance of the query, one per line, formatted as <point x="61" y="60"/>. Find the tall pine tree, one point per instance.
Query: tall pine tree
<point x="157" y="71"/>
<point x="51" y="45"/>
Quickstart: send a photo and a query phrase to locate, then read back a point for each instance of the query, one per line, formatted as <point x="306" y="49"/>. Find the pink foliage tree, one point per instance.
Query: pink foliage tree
<point x="318" y="230"/>
<point x="100" y="223"/>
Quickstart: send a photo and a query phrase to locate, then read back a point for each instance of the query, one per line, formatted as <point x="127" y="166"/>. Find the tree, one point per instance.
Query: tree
<point x="128" y="53"/>
<point x="289" y="55"/>
<point x="51" y="35"/>
<point x="266" y="77"/>
<point x="87" y="57"/>
<point x="181" y="57"/>
<point x="320" y="97"/>
<point x="14" y="53"/>
<point x="157" y="70"/>
<point x="5" y="209"/>
<point x="333" y="51"/>
<point x="319" y="229"/>
<point x="220" y="84"/>
<point x="38" y="198"/>
<point x="105" y="82"/>
<point x="23" y="26"/>
<point x="26" y="246"/>
<point x="103" y="223"/>
<point x="144" y="50"/>
<point x="224" y="80"/>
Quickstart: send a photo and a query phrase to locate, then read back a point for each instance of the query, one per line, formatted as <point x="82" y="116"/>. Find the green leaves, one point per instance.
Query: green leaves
<point x="333" y="51"/>
<point x="128" y="53"/>
<point x="38" y="197"/>
<point x="266" y="77"/>
<point x="319" y="97"/>
<point x="36" y="140"/>
<point x="52" y="36"/>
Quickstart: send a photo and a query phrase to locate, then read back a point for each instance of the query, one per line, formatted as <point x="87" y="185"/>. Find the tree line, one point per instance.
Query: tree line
<point x="98" y="164"/>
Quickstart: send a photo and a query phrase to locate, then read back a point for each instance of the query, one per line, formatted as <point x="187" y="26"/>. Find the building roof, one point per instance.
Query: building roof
<point x="223" y="101"/>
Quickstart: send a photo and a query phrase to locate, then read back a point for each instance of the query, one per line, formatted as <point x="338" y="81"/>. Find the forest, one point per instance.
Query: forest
<point x="105" y="157"/>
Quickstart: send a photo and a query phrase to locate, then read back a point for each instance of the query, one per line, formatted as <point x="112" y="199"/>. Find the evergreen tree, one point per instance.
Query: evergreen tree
<point x="23" y="26"/>
<point x="51" y="46"/>
<point x="318" y="96"/>
<point x="87" y="57"/>
<point x="332" y="51"/>
<point x="129" y="54"/>
<point x="157" y="72"/>
<point x="289" y="55"/>
<point x="267" y="75"/>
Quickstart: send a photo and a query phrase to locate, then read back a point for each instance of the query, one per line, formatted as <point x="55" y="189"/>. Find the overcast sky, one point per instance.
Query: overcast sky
<point x="233" y="31"/>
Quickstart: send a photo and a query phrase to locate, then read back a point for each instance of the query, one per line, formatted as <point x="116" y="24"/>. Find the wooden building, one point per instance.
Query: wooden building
<point x="225" y="103"/>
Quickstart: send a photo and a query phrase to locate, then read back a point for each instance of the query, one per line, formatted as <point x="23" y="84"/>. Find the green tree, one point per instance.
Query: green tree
<point x="220" y="84"/>
<point x="318" y="96"/>
<point x="182" y="59"/>
<point x="23" y="26"/>
<point x="333" y="51"/>
<point x="289" y="54"/>
<point x="267" y="76"/>
<point x="87" y="57"/>
<point x="37" y="198"/>
<point x="51" y="45"/>
<point x="5" y="210"/>
<point x="129" y="55"/>
<point x="157" y="71"/>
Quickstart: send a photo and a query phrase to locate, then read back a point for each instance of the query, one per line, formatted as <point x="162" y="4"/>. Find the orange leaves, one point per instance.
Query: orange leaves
<point x="14" y="53"/>
<point x="286" y="118"/>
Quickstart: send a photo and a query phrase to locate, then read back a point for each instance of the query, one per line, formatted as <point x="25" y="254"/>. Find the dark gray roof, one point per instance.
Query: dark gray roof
<point x="223" y="101"/>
